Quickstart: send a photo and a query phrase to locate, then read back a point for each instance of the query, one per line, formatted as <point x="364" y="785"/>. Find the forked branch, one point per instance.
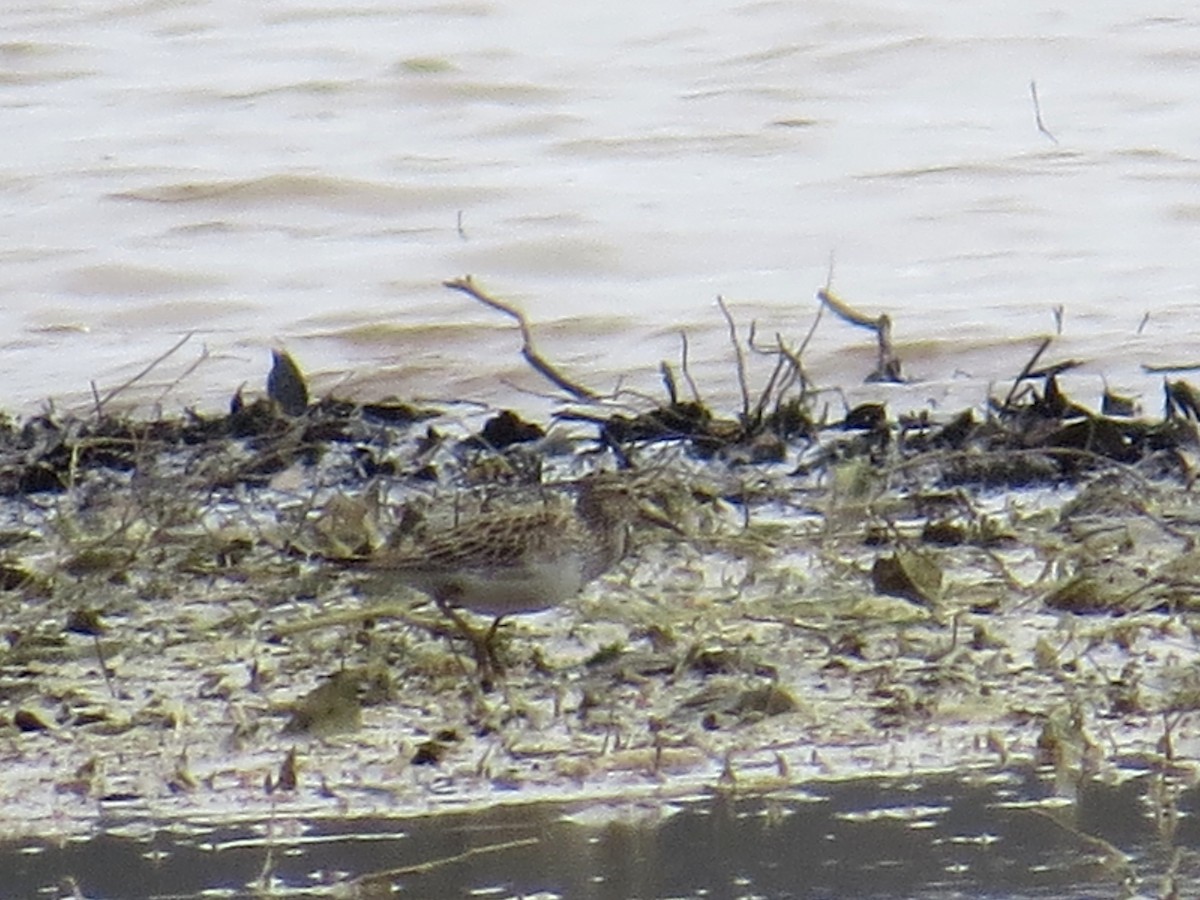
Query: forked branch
<point x="466" y="285"/>
<point x="888" y="367"/>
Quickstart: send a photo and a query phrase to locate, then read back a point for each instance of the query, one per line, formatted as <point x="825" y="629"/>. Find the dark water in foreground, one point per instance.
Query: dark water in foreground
<point x="1001" y="835"/>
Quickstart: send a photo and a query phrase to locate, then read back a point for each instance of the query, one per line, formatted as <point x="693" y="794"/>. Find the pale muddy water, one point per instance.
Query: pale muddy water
<point x="308" y="173"/>
<point x="982" y="835"/>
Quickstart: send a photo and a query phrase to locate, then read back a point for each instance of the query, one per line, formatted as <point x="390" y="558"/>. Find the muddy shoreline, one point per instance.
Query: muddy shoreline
<point x="853" y="593"/>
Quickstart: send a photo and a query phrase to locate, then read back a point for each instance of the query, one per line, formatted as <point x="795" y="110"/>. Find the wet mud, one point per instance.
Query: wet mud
<point x="847" y="593"/>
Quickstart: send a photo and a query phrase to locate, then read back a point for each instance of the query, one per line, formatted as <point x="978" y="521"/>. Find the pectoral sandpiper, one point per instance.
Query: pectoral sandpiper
<point x="521" y="559"/>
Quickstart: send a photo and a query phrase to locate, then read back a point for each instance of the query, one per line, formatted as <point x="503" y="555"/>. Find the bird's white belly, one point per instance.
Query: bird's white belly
<point x="501" y="591"/>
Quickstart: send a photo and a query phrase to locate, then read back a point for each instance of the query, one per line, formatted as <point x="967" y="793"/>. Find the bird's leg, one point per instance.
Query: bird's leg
<point x="489" y="647"/>
<point x="486" y="663"/>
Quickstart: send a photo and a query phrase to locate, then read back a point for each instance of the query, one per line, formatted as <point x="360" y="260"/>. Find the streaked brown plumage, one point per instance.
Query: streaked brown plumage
<point x="517" y="560"/>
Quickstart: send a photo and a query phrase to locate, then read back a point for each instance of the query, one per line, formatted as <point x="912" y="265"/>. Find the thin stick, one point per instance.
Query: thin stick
<point x="668" y="377"/>
<point x="467" y="286"/>
<point x="103" y="665"/>
<point x="784" y="358"/>
<point x="764" y="397"/>
<point x="1151" y="369"/>
<point x="811" y="331"/>
<point x="888" y="366"/>
<point x="793" y="358"/>
<point x="738" y="355"/>
<point x="441" y="862"/>
<point x="1037" y="354"/>
<point x="402" y="614"/>
<point x="769" y="391"/>
<point x="186" y="373"/>
<point x="96" y="398"/>
<point x="683" y="365"/>
<point x="100" y="404"/>
<point x="845" y="312"/>
<point x="1037" y="112"/>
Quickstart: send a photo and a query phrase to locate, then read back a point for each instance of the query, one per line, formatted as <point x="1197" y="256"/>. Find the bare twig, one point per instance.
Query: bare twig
<point x="186" y="373"/>
<point x="739" y="356"/>
<point x="442" y="862"/>
<point x="683" y="365"/>
<point x="1151" y="369"/>
<point x="888" y="366"/>
<point x="668" y="377"/>
<point x="764" y="398"/>
<point x="1037" y="112"/>
<point x="467" y="286"/>
<point x="797" y="373"/>
<point x="847" y="313"/>
<point x="1037" y="354"/>
<point x="400" y="612"/>
<point x="100" y="658"/>
<point x="811" y="331"/>
<point x="787" y="371"/>
<point x="154" y="363"/>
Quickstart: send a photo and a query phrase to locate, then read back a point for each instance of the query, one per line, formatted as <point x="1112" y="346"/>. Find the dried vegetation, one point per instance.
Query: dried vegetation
<point x="856" y="593"/>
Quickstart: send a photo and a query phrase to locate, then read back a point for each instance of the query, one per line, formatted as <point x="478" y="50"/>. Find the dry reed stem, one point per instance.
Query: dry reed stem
<point x="466" y="285"/>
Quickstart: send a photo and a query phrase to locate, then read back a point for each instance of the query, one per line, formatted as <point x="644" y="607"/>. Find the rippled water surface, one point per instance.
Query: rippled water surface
<point x="980" y="835"/>
<point x="308" y="173"/>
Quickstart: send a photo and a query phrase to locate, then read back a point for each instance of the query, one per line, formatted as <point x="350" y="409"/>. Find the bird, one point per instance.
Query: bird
<point x="523" y="558"/>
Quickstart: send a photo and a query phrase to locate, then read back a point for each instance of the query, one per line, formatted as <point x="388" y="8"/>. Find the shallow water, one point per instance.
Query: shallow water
<point x="309" y="173"/>
<point x="981" y="834"/>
